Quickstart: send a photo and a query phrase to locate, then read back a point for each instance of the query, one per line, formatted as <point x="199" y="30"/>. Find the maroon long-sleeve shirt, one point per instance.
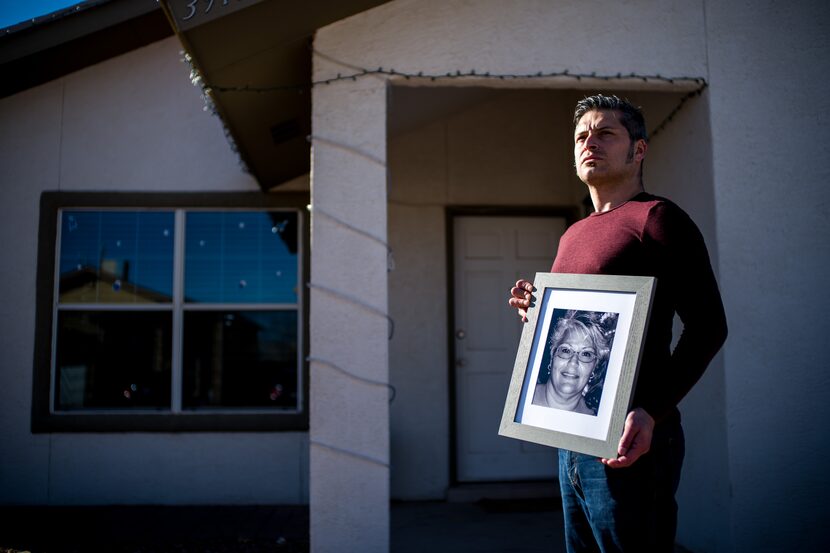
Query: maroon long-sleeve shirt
<point x="651" y="236"/>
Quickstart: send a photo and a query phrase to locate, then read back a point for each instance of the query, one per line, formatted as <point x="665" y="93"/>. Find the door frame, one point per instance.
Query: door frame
<point x="570" y="213"/>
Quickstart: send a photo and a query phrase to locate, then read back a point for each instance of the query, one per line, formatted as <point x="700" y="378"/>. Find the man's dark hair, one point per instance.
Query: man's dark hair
<point x="632" y="118"/>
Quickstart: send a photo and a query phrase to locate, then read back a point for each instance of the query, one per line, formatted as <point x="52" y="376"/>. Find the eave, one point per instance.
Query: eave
<point x="48" y="47"/>
<point x="237" y="45"/>
<point x="254" y="60"/>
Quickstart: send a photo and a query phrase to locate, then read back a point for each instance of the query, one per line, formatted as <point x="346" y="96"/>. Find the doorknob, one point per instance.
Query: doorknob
<point x="460" y="334"/>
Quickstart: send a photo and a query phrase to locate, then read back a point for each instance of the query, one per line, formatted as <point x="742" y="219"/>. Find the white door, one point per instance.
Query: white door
<point x="491" y="253"/>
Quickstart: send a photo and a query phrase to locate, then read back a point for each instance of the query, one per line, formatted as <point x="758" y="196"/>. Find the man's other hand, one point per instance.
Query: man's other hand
<point x="635" y="441"/>
<point x="521" y="297"/>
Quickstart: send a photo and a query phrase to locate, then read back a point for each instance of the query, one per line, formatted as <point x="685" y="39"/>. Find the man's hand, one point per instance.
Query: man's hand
<point x="635" y="441"/>
<point x="521" y="297"/>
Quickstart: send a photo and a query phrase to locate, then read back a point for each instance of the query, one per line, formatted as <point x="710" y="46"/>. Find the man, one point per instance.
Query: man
<point x="627" y="503"/>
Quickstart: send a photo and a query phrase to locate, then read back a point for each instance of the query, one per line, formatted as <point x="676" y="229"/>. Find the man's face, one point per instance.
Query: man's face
<point x="603" y="151"/>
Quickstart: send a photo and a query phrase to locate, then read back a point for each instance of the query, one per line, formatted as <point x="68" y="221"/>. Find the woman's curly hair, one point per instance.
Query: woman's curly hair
<point x="599" y="327"/>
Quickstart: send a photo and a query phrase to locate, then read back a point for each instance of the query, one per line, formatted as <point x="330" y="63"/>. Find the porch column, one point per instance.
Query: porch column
<point x="349" y="328"/>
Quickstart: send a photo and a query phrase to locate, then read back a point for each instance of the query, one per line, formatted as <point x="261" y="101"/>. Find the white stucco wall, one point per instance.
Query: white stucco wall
<point x="679" y="166"/>
<point x="349" y="399"/>
<point x="522" y="36"/>
<point x="132" y="123"/>
<point x="770" y="95"/>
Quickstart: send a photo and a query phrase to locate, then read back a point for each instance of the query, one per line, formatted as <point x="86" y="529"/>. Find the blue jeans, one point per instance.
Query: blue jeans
<point x="626" y="509"/>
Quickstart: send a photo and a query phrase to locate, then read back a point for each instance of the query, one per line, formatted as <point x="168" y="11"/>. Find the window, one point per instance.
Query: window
<point x="179" y="312"/>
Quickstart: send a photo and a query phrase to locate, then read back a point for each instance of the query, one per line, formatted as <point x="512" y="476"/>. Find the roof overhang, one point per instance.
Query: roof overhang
<point x="51" y="46"/>
<point x="254" y="58"/>
<point x="233" y="44"/>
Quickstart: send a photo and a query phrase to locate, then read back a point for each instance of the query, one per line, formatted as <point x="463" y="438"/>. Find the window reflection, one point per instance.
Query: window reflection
<point x="116" y="257"/>
<point x="120" y="355"/>
<point x="241" y="257"/>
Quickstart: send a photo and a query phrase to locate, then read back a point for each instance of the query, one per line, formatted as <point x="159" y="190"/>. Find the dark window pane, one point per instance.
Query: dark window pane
<point x="113" y="359"/>
<point x="116" y="256"/>
<point x="240" y="359"/>
<point x="241" y="257"/>
<point x="153" y="272"/>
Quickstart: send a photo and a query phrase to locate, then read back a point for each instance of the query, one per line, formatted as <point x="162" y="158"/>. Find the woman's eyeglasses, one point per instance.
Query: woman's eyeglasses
<point x="584" y="356"/>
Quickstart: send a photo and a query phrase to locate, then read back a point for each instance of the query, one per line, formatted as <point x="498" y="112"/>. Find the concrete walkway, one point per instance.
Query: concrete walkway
<point x="433" y="527"/>
<point x="526" y="525"/>
<point x="154" y="529"/>
<point x="485" y="526"/>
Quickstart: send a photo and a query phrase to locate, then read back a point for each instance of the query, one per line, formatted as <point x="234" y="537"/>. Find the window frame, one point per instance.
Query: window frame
<point x="215" y="420"/>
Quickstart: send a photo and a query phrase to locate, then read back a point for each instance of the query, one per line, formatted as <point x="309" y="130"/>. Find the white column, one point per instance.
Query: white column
<point x="349" y="400"/>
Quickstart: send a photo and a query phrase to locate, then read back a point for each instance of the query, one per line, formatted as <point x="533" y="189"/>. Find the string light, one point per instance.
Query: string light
<point x="473" y="75"/>
<point x="390" y="265"/>
<point x="392" y="391"/>
<point x="210" y="107"/>
<point x="319" y="139"/>
<point x="350" y="453"/>
<point x="348" y="298"/>
<point x="677" y="108"/>
<point x="458" y="74"/>
<point x="355" y="301"/>
<point x="359" y="72"/>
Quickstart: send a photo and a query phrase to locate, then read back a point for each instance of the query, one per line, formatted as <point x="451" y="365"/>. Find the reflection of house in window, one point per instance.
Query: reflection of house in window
<point x="171" y="310"/>
<point x="230" y="358"/>
<point x="106" y="285"/>
<point x="286" y="228"/>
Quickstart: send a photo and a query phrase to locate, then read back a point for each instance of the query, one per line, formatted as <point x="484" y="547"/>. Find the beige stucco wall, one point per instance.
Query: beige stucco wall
<point x="349" y="408"/>
<point x="770" y="95"/>
<point x="521" y="36"/>
<point x="132" y="123"/>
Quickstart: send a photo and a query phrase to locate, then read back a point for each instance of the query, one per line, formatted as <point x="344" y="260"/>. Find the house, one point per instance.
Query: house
<point x="437" y="130"/>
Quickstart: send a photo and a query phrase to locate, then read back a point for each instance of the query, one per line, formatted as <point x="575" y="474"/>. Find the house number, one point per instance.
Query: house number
<point x="193" y="7"/>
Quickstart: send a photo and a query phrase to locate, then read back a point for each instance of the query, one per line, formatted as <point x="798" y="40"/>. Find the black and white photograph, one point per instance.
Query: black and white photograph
<point x="577" y="361"/>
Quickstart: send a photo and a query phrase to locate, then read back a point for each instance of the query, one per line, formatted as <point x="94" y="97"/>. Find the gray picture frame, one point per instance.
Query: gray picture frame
<point x="630" y="299"/>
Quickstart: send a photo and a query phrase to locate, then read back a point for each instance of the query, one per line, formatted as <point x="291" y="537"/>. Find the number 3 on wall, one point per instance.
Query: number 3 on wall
<point x="192" y="7"/>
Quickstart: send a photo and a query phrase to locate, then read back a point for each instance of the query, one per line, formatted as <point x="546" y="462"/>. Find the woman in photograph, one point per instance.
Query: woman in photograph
<point x="579" y="348"/>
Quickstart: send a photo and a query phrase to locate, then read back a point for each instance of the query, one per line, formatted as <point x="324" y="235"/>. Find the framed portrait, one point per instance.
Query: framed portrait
<point x="576" y="366"/>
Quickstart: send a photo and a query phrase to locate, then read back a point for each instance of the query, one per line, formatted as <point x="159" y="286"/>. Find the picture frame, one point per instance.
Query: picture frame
<point x="577" y="361"/>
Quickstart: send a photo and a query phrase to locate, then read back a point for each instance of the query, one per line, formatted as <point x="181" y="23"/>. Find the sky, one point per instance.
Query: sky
<point x="15" y="11"/>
